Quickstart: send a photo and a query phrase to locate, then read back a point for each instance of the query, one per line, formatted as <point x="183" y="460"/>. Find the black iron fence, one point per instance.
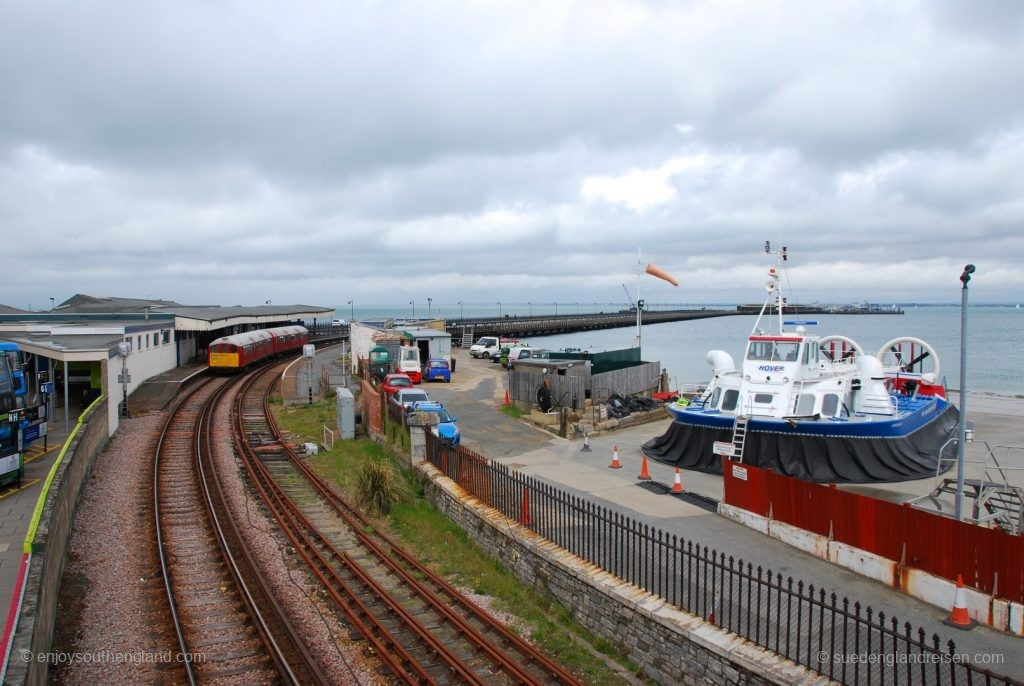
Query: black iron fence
<point x="845" y="641"/>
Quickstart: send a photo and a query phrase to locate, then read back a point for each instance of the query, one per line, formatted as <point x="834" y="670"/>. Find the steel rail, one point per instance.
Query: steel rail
<point x="454" y="608"/>
<point x="165" y="570"/>
<point x="392" y="653"/>
<point x="204" y="453"/>
<point x="431" y="642"/>
<point x="362" y="527"/>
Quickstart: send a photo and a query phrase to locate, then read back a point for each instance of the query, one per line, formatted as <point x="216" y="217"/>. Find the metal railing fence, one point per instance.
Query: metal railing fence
<point x="832" y="636"/>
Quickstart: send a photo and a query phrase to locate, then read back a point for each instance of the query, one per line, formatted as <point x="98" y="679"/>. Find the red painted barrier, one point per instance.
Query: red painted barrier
<point x="932" y="543"/>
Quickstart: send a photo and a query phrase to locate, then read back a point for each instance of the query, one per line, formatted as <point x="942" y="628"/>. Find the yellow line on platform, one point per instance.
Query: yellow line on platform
<point x="42" y="453"/>
<point x="24" y="485"/>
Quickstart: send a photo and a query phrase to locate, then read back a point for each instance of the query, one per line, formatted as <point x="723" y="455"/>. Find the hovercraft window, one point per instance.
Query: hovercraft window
<point x="785" y="352"/>
<point x="763" y="398"/>
<point x="805" y="404"/>
<point x="760" y="350"/>
<point x="829" y="404"/>
<point x="715" y="397"/>
<point x="729" y="401"/>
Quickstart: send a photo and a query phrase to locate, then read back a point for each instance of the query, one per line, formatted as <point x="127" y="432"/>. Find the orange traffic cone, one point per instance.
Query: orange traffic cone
<point x="677" y="487"/>
<point x="615" y="459"/>
<point x="524" y="510"/>
<point x="507" y="403"/>
<point x="959" y="617"/>
<point x="644" y="474"/>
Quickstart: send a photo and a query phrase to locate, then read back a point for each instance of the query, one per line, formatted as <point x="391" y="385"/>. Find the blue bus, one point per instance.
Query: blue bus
<point x="12" y="392"/>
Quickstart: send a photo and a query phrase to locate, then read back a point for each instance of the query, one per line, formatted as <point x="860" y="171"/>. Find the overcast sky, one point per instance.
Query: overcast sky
<point x="313" y="152"/>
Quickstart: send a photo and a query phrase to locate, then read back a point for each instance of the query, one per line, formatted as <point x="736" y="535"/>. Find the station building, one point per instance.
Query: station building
<point x="89" y="345"/>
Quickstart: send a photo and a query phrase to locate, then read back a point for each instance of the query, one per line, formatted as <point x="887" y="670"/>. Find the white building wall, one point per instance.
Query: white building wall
<point x="142" y="363"/>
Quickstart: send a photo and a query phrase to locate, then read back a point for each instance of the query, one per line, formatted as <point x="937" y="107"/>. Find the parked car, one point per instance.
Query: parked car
<point x="514" y="353"/>
<point x="505" y="352"/>
<point x="393" y="382"/>
<point x="529" y="353"/>
<point x="404" y="397"/>
<point x="437" y="370"/>
<point x="497" y="354"/>
<point x="446" y="429"/>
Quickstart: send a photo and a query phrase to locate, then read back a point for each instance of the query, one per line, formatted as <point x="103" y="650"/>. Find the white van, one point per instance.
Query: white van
<point x="484" y="346"/>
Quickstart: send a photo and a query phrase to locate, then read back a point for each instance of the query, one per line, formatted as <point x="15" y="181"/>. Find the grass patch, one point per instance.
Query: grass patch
<point x="513" y="411"/>
<point x="446" y="549"/>
<point x="379" y="487"/>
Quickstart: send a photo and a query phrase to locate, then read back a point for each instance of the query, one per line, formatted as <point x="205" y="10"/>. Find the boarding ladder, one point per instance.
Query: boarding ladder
<point x="739" y="436"/>
<point x="995" y="502"/>
<point x="467" y="338"/>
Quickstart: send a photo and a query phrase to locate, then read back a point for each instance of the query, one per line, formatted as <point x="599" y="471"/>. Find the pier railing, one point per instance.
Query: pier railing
<point x="843" y="640"/>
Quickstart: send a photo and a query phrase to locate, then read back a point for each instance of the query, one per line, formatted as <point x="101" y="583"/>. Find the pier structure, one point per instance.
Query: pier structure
<point x="544" y="325"/>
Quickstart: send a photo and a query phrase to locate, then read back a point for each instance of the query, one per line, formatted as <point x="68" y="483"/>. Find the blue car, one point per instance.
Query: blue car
<point x="446" y="429"/>
<point x="438" y="370"/>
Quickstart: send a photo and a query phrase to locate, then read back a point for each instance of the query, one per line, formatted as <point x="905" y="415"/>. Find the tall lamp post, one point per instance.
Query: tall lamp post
<point x="960" y="444"/>
<point x="413" y="303"/>
<point x="531" y="307"/>
<point x="430" y="302"/>
<point x="351" y="312"/>
<point x="123" y="350"/>
<point x="499" y="309"/>
<point x="460" y="311"/>
<point x="51" y="304"/>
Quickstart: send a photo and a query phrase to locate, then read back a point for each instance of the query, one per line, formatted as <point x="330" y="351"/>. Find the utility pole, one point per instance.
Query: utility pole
<point x="309" y="352"/>
<point x="962" y="440"/>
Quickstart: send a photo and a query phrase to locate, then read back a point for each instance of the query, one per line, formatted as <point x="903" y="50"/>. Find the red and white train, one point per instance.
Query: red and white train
<point x="232" y="353"/>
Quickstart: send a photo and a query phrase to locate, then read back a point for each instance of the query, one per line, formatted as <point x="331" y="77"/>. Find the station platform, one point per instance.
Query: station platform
<point x="156" y="393"/>
<point x="17" y="504"/>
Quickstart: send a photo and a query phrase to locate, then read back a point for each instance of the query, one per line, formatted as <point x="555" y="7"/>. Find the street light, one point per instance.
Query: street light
<point x="267" y="303"/>
<point x="964" y="278"/>
<point x="124" y="349"/>
<point x="413" y="303"/>
<point x="556" y="309"/>
<point x="531" y="307"/>
<point x="351" y="312"/>
<point x="499" y="309"/>
<point x="51" y="304"/>
<point x="460" y="311"/>
<point x="430" y="302"/>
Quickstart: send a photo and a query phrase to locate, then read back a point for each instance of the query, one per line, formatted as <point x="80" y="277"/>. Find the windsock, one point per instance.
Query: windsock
<point x="655" y="271"/>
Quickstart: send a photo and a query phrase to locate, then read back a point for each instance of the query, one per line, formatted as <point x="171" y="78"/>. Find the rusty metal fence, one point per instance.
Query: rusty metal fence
<point x="828" y="634"/>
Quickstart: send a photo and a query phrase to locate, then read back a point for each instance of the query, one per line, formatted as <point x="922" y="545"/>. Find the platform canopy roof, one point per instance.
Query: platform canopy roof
<point x="186" y="317"/>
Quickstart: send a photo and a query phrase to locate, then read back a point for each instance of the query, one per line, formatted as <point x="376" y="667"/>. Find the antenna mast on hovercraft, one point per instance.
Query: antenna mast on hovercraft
<point x="772" y="286"/>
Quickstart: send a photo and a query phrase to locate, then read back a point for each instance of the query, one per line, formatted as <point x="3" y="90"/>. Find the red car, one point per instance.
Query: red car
<point x="392" y="382"/>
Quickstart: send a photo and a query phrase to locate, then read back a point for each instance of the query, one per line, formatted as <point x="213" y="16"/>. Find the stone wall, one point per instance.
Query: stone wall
<point x="669" y="646"/>
<point x="49" y="548"/>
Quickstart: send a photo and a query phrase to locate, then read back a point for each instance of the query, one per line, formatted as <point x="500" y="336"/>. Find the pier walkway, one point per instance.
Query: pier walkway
<point x="543" y="325"/>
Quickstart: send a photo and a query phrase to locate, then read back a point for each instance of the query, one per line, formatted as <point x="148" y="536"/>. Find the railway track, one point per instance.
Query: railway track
<point x="422" y="629"/>
<point x="229" y="626"/>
